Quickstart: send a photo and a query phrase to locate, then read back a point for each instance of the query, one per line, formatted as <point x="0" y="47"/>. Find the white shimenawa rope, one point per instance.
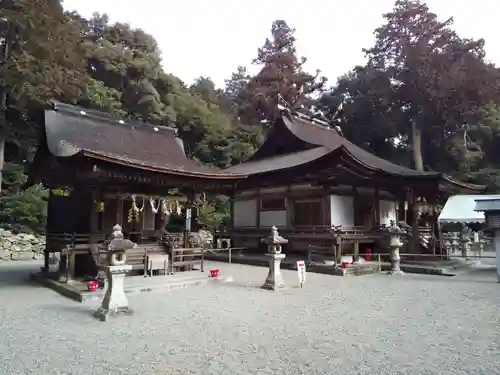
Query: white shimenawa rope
<point x="152" y="203"/>
<point x="134" y="204"/>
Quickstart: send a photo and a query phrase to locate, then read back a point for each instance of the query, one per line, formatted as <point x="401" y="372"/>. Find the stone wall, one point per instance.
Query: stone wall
<point x="20" y="246"/>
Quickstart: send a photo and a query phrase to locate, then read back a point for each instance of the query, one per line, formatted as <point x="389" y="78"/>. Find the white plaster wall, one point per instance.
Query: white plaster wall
<point x="388" y="212"/>
<point x="245" y="213"/>
<point x="341" y="210"/>
<point x="270" y="218"/>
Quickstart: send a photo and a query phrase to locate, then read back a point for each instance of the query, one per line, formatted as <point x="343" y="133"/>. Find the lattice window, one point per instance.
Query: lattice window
<point x="307" y="213"/>
<point x="272" y="204"/>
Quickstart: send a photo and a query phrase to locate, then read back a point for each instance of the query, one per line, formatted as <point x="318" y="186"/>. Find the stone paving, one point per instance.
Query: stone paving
<point x="377" y="324"/>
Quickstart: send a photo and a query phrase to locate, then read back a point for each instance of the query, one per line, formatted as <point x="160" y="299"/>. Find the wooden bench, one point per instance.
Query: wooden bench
<point x="329" y="253"/>
<point x="138" y="256"/>
<point x="186" y="258"/>
<point x="157" y="262"/>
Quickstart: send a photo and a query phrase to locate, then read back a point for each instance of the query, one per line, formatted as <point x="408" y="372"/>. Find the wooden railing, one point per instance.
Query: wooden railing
<point x="302" y="230"/>
<point x="186" y="257"/>
<point x="329" y="252"/>
<point x="59" y="241"/>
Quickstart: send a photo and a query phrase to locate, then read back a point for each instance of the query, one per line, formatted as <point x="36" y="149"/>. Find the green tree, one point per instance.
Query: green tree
<point x="21" y="210"/>
<point x="43" y="61"/>
<point x="425" y="61"/>
<point x="370" y="112"/>
<point x="282" y="74"/>
<point x="128" y="61"/>
<point x="421" y="86"/>
<point x="475" y="149"/>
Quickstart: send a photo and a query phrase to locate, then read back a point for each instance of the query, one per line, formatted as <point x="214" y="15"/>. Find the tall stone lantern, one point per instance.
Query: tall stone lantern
<point x="395" y="244"/>
<point x="455" y="244"/>
<point x="115" y="300"/>
<point x="491" y="209"/>
<point x="465" y="240"/>
<point x="274" y="280"/>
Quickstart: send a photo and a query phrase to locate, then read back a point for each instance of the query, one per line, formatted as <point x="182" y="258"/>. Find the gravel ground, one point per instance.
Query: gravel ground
<point x="376" y="324"/>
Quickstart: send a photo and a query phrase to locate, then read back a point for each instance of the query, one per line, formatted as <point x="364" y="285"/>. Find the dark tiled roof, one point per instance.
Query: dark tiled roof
<point x="323" y="140"/>
<point x="280" y="162"/>
<point x="71" y="129"/>
<point x="320" y="135"/>
<point x="318" y="141"/>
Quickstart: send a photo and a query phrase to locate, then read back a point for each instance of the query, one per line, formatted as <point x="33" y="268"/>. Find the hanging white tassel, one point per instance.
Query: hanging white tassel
<point x="134" y="204"/>
<point x="178" y="206"/>
<point x="164" y="208"/>
<point x="152" y="203"/>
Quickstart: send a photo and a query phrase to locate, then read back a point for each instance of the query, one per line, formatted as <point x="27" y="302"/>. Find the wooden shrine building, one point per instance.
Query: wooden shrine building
<point x="307" y="179"/>
<point x="103" y="171"/>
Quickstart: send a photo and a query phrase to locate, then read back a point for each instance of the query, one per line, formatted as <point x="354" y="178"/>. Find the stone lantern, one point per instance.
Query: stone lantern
<point x="447" y="246"/>
<point x="491" y="209"/>
<point x="465" y="240"/>
<point x="274" y="280"/>
<point x="115" y="300"/>
<point x="395" y="244"/>
<point x="455" y="244"/>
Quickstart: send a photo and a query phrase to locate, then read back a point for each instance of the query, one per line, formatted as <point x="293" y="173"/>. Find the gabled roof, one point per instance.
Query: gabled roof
<point x="461" y="209"/>
<point x="280" y="162"/>
<point x="70" y="130"/>
<point x="313" y="141"/>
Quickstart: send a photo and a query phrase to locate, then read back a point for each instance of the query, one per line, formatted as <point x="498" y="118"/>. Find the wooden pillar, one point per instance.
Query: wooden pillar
<point x="95" y="198"/>
<point x="46" y="262"/>
<point x="63" y="267"/>
<point x="289" y="208"/>
<point x="326" y="209"/>
<point x="356" y="251"/>
<point x="376" y="210"/>
<point x="231" y="211"/>
<point x="258" y="208"/>
<point x="413" y="210"/>
<point x="356" y="201"/>
<point x="436" y="240"/>
<point x="119" y="209"/>
<point x="187" y="220"/>
<point x="71" y="266"/>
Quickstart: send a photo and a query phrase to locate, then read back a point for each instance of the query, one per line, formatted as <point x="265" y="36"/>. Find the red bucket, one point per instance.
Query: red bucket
<point x="345" y="265"/>
<point x="214" y="273"/>
<point x="92" y="286"/>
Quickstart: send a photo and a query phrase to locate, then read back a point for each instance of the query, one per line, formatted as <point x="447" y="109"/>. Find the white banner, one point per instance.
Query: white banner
<point x="301" y="271"/>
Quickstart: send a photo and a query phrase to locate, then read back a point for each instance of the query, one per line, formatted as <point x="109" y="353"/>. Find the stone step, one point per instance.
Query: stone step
<point x="133" y="284"/>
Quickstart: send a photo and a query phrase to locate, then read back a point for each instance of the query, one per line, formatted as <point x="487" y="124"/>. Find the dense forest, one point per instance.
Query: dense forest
<point x="425" y="98"/>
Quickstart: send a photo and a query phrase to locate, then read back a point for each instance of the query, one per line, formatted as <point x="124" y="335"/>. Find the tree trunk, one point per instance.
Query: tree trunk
<point x="416" y="133"/>
<point x="2" y="152"/>
<point x="3" y="99"/>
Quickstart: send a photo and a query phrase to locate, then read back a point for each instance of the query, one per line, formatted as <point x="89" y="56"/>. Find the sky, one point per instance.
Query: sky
<point x="211" y="38"/>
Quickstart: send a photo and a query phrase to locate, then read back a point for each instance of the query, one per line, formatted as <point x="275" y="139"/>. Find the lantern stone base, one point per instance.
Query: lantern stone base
<point x="274" y="280"/>
<point x="395" y="262"/>
<point x="115" y="300"/>
<point x="395" y="272"/>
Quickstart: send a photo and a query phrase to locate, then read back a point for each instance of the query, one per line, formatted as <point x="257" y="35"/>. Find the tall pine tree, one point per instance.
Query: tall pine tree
<point x="282" y="74"/>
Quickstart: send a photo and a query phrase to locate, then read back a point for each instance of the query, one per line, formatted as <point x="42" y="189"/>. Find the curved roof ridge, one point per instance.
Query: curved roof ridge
<point x="100" y="116"/>
<point x="316" y="134"/>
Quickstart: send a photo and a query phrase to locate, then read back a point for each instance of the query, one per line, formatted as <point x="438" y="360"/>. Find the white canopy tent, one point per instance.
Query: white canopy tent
<point x="460" y="209"/>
